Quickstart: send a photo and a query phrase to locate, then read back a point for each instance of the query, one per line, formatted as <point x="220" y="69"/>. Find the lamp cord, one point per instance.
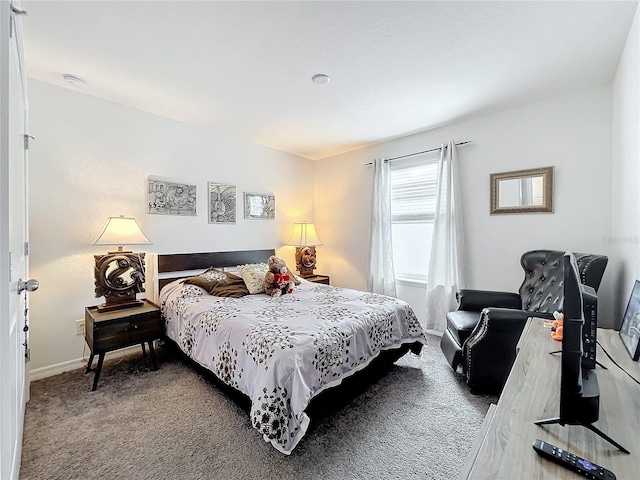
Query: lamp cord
<point x="616" y="363"/>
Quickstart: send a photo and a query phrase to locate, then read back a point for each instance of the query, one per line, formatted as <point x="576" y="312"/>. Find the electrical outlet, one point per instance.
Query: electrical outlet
<point x="80" y="327"/>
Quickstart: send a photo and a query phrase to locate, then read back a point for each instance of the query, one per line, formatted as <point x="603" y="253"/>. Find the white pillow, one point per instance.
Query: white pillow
<point x="253" y="276"/>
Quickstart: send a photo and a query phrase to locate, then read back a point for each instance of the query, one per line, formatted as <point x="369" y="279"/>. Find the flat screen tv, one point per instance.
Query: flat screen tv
<point x="590" y="327"/>
<point x="579" y="392"/>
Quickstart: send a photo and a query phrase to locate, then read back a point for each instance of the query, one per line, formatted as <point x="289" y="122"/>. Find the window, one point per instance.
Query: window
<point x="413" y="197"/>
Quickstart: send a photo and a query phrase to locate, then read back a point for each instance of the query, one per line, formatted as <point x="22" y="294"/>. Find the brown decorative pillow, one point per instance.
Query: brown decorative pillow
<point x="219" y="283"/>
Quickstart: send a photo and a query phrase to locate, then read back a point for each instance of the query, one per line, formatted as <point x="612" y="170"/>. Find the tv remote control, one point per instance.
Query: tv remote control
<point x="572" y="462"/>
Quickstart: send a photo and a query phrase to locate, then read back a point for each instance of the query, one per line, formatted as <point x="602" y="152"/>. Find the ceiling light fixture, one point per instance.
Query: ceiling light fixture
<point x="320" y="78"/>
<point x="74" y="80"/>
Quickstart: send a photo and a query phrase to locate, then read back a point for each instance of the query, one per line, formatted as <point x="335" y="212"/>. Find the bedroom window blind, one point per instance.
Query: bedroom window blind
<point x="413" y="196"/>
<point x="413" y="191"/>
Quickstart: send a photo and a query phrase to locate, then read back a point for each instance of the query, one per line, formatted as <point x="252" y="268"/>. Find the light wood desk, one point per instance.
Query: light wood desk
<point x="503" y="449"/>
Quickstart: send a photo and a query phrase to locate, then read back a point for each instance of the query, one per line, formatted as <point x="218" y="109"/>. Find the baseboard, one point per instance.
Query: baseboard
<point x="51" y="370"/>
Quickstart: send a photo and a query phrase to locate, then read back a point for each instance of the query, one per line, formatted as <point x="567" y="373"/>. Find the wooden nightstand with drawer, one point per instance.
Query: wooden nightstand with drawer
<point x="115" y="329"/>
<point x="318" y="279"/>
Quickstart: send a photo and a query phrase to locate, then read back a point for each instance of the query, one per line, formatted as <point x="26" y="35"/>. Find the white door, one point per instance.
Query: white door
<point x="14" y="268"/>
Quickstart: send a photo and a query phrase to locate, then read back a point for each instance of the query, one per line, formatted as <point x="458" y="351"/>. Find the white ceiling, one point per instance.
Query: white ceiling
<point x="396" y="67"/>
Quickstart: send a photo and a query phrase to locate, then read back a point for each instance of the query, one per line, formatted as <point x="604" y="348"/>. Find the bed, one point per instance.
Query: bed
<point x="280" y="352"/>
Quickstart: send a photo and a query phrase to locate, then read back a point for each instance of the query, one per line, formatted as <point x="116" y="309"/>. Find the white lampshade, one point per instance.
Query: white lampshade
<point x="304" y="235"/>
<point x="121" y="231"/>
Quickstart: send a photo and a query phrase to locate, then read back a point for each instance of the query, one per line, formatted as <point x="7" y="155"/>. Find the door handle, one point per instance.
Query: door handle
<point x="30" y="285"/>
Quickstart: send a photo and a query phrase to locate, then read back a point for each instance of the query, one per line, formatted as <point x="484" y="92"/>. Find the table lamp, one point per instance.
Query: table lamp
<point x="119" y="275"/>
<point x="305" y="239"/>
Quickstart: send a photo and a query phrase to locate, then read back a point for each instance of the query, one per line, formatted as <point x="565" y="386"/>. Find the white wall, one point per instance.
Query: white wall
<point x="90" y="160"/>
<point x="625" y="218"/>
<point x="571" y="132"/>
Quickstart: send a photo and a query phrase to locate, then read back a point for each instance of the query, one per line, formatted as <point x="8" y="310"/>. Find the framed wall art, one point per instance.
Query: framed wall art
<point x="259" y="206"/>
<point x="169" y="198"/>
<point x="630" y="329"/>
<point x="222" y="203"/>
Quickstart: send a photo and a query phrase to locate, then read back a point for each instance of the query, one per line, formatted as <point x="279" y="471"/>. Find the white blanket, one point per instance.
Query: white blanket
<point x="283" y="351"/>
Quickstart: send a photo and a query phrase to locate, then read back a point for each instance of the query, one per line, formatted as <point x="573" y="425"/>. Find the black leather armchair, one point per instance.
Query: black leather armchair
<point x="482" y="334"/>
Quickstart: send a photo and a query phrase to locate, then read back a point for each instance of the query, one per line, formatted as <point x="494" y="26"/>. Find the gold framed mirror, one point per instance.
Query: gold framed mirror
<point x="522" y="191"/>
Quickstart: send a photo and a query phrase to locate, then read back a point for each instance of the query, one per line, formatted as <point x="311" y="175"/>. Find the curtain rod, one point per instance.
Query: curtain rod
<point x="418" y="153"/>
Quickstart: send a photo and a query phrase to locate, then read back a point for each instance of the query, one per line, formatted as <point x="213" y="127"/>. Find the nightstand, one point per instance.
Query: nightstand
<point x="107" y="331"/>
<point x="318" y="279"/>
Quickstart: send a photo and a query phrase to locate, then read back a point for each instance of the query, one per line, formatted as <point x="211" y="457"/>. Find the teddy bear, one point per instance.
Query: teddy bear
<point x="557" y="326"/>
<point x="278" y="279"/>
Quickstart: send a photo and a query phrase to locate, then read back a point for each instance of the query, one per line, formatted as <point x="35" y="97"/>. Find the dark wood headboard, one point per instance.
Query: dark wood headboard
<point x="180" y="262"/>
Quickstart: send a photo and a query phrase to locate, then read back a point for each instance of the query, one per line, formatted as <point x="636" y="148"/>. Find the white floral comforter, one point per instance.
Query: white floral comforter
<point x="283" y="351"/>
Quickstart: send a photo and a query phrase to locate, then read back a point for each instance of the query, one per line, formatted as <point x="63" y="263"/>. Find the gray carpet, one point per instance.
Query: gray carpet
<point x="417" y="421"/>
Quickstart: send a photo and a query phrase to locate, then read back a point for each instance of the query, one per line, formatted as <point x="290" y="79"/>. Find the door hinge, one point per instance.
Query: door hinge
<point x="26" y="249"/>
<point x="27" y="354"/>
<point x="27" y="138"/>
<point x="17" y="11"/>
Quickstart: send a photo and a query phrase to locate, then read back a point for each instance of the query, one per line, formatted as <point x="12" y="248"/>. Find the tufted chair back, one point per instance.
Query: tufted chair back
<point x="542" y="288"/>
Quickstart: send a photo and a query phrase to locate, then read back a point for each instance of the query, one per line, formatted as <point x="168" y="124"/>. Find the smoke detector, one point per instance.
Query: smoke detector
<point x="74" y="80"/>
<point x="320" y="78"/>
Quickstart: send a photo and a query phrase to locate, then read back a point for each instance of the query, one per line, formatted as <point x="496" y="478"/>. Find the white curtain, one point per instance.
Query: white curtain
<point x="380" y="276"/>
<point x="446" y="263"/>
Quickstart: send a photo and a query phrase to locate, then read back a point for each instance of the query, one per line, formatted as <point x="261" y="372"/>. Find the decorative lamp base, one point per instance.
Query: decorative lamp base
<point x="118" y="278"/>
<point x="306" y="261"/>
